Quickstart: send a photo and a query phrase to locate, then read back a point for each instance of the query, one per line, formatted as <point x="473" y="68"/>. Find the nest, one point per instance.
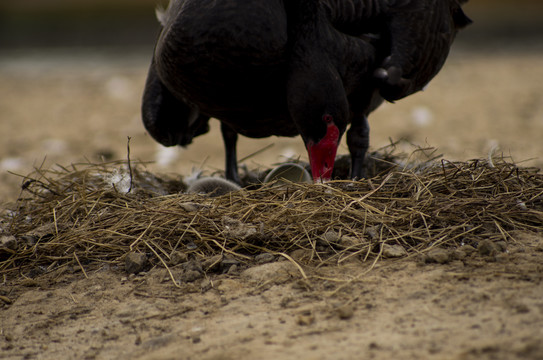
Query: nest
<point x="85" y="217"/>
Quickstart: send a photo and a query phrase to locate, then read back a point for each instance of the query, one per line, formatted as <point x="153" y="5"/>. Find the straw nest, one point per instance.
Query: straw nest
<point x="90" y="215"/>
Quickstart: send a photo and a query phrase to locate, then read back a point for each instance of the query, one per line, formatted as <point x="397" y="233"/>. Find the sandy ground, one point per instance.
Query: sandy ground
<point x="82" y="105"/>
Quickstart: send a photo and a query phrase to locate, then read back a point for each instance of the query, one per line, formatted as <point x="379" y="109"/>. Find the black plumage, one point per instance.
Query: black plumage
<point x="291" y="67"/>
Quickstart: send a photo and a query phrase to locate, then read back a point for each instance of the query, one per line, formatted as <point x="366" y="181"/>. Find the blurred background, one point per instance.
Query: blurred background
<point x="72" y="74"/>
<point x="129" y="23"/>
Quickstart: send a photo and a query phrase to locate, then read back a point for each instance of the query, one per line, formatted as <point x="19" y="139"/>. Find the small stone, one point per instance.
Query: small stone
<point x="330" y="237"/>
<point x="29" y="240"/>
<point x="196" y="339"/>
<point x="501" y="246"/>
<point x="468" y="249"/>
<point x="440" y="256"/>
<point x="301" y="255"/>
<point x="345" y="312"/>
<point x="192" y="275"/>
<point x="285" y="301"/>
<point x="232" y="270"/>
<point x="229" y="285"/>
<point x="350" y="241"/>
<point x="41" y="232"/>
<point x="191" y="246"/>
<point x="305" y="318"/>
<point x="487" y="248"/>
<point x="521" y="309"/>
<point x="227" y="264"/>
<point x="457" y="263"/>
<point x="271" y="272"/>
<point x="458" y="254"/>
<point x="135" y="262"/>
<point x="393" y="251"/>
<point x="196" y="334"/>
<point x="206" y="285"/>
<point x="372" y="231"/>
<point x="178" y="257"/>
<point x="233" y="228"/>
<point x="190" y="206"/>
<point x="8" y="242"/>
<point x="193" y="264"/>
<point x="264" y="258"/>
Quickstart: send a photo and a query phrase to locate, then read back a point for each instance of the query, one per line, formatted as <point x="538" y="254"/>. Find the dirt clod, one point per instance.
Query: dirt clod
<point x="178" y="257"/>
<point x="264" y="258"/>
<point x="229" y="264"/>
<point x="440" y="256"/>
<point x="135" y="262"/>
<point x="305" y="318"/>
<point x="345" y="312"/>
<point x="190" y="206"/>
<point x="458" y="254"/>
<point x="8" y="242"/>
<point x="330" y="237"/>
<point x="487" y="248"/>
<point x="393" y="251"/>
<point x="350" y="241"/>
<point x="191" y="275"/>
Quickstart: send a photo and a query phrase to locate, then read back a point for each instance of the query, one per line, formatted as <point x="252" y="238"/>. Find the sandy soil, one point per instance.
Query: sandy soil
<point x="69" y="108"/>
<point x="478" y="308"/>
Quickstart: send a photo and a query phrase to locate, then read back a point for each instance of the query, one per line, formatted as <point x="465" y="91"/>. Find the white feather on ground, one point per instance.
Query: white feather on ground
<point x="212" y="186"/>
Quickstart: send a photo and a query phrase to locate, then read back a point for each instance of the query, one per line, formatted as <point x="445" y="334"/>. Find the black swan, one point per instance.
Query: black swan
<point x="292" y="67"/>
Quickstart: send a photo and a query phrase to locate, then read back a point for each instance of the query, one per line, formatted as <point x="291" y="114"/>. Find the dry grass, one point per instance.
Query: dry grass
<point x="76" y="218"/>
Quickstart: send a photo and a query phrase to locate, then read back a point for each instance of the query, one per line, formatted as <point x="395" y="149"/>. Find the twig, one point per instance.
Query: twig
<point x="81" y="266"/>
<point x="129" y="163"/>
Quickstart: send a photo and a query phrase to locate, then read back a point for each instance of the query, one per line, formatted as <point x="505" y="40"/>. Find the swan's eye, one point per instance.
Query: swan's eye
<point x="327" y="119"/>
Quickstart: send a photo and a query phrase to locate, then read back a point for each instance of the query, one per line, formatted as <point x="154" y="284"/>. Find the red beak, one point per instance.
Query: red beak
<point x="322" y="155"/>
